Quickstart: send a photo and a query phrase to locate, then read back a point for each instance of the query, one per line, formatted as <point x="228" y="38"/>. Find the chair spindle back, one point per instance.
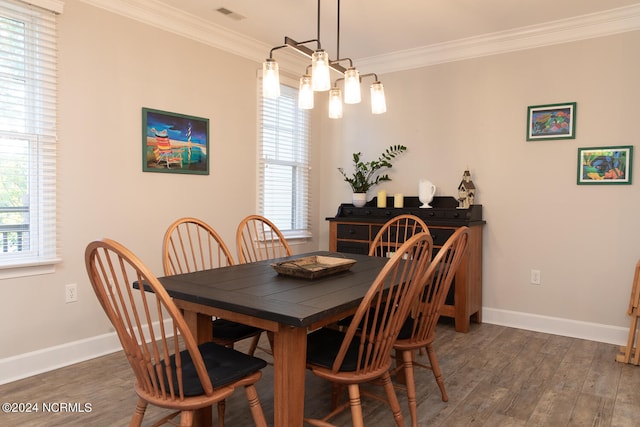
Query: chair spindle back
<point x="258" y="239"/>
<point x="394" y="233"/>
<point x="191" y="244"/>
<point x="135" y="311"/>
<point x="440" y="275"/>
<point x="384" y="308"/>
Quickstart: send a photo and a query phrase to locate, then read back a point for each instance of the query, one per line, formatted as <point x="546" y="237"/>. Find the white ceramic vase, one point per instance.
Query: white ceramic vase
<point x="359" y="199"/>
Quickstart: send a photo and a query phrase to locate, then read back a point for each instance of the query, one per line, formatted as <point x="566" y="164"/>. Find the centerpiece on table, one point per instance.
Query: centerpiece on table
<point x="369" y="174"/>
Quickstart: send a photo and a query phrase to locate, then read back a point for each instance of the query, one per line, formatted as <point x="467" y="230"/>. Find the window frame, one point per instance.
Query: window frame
<point x="301" y="214"/>
<point x="37" y="111"/>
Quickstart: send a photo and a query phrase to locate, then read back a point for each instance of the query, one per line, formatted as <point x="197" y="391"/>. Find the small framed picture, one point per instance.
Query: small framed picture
<point x="174" y="143"/>
<point x="605" y="165"/>
<point x="552" y="121"/>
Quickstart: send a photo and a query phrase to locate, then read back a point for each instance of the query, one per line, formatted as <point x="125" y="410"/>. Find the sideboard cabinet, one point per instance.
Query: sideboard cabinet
<point x="353" y="229"/>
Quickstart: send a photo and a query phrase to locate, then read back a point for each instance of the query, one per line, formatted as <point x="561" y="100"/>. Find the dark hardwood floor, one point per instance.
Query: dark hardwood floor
<point x="495" y="376"/>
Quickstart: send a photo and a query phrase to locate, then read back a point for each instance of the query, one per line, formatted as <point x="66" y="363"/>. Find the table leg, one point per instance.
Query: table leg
<point x="201" y="328"/>
<point x="289" y="368"/>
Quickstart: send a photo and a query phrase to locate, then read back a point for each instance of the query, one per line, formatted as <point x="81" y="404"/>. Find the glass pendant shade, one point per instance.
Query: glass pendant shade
<point x="270" y="79"/>
<point x="335" y="103"/>
<point x="378" y="101"/>
<point x="352" y="86"/>
<point x="320" y="71"/>
<point x="305" y="94"/>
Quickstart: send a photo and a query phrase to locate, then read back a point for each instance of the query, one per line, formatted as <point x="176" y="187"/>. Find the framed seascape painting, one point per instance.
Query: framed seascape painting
<point x="552" y="121"/>
<point x="174" y="143"/>
<point x="605" y="165"/>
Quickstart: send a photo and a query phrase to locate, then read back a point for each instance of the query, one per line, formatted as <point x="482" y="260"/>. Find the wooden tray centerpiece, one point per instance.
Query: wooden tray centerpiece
<point x="313" y="267"/>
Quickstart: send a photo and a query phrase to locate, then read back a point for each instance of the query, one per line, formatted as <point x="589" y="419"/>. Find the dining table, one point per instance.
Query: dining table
<point x="285" y="304"/>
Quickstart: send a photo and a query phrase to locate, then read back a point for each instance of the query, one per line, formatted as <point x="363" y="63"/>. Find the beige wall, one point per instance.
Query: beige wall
<point x="110" y="67"/>
<point x="583" y="239"/>
<point x="452" y="116"/>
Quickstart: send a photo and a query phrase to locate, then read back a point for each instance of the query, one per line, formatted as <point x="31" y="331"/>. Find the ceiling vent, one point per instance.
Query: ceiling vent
<point x="230" y="14"/>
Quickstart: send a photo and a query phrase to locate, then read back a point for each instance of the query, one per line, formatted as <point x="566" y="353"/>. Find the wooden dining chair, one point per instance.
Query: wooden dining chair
<point x="389" y="238"/>
<point x="171" y="370"/>
<point x="191" y="244"/>
<point x="419" y="329"/>
<point x="258" y="239"/>
<point x="362" y="353"/>
<point x="394" y="233"/>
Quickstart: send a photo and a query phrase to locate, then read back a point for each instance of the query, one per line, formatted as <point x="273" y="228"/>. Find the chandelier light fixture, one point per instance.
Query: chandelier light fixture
<point x="317" y="77"/>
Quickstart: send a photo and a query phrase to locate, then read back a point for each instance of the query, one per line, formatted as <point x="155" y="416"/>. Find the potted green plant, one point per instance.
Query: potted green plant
<point x="369" y="174"/>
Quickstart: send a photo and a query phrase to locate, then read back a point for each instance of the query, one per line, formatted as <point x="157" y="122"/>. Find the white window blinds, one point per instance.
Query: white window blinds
<point x="283" y="162"/>
<point x="28" y="85"/>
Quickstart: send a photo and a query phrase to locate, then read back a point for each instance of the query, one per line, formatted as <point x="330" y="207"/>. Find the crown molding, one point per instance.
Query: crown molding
<point x="168" y="18"/>
<point x="582" y="27"/>
<point x="55" y="6"/>
<point x="173" y="20"/>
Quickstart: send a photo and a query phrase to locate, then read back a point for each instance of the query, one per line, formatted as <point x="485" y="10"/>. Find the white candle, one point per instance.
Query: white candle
<point x="382" y="199"/>
<point x="398" y="200"/>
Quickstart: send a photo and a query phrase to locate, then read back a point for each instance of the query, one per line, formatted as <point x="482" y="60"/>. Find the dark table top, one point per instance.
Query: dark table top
<point x="257" y="290"/>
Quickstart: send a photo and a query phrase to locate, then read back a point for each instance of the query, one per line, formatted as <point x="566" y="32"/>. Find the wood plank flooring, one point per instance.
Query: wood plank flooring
<point x="495" y="376"/>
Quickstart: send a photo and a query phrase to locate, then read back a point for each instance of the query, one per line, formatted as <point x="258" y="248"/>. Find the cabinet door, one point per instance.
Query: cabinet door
<point x="440" y="235"/>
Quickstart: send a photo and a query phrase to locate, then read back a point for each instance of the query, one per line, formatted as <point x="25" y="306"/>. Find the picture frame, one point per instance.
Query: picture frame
<point x="174" y="143"/>
<point x="551" y="121"/>
<point x="605" y="165"/>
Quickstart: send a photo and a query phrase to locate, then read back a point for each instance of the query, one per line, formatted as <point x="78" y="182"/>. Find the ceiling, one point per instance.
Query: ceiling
<point x="384" y="35"/>
<point x="377" y="27"/>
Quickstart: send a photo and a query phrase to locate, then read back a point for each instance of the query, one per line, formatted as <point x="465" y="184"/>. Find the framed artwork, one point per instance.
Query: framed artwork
<point x="552" y="121"/>
<point x="174" y="143"/>
<point x="605" y="165"/>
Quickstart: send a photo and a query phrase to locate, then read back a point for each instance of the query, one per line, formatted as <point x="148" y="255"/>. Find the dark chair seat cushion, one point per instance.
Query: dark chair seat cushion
<point x="323" y="346"/>
<point x="224" y="365"/>
<point x="233" y="331"/>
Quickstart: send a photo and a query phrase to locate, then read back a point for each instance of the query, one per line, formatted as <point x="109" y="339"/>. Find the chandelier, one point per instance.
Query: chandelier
<point x="317" y="77"/>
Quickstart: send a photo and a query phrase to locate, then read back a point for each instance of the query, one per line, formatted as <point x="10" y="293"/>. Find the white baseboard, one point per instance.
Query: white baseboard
<point x="557" y="326"/>
<point x="25" y="365"/>
<point x="47" y="359"/>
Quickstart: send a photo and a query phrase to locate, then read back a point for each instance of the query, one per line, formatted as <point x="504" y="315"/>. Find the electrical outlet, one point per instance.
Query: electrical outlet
<point x="535" y="277"/>
<point x="71" y="293"/>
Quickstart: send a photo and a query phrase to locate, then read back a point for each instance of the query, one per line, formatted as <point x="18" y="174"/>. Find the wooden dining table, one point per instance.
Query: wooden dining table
<point x="255" y="294"/>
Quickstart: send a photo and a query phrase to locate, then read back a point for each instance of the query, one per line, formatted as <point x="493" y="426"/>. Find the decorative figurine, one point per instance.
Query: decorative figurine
<point x="466" y="191"/>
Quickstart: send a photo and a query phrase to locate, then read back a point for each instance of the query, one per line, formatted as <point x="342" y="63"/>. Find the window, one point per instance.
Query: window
<point x="27" y="139"/>
<point x="283" y="162"/>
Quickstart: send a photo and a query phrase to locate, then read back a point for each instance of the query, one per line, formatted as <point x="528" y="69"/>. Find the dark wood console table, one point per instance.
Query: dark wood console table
<point x="353" y="229"/>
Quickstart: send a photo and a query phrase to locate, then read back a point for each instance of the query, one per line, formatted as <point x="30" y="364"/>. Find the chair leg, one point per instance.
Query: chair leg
<point x="636" y="358"/>
<point x="270" y="349"/>
<point x="138" y="413"/>
<point x="254" y="405"/>
<point x="628" y="351"/>
<point x="336" y="391"/>
<point x="407" y="361"/>
<point x="270" y="338"/>
<point x="392" y="398"/>
<point x="435" y="367"/>
<point x="221" y="409"/>
<point x="254" y="344"/>
<point x="186" y="418"/>
<point x="356" y="405"/>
